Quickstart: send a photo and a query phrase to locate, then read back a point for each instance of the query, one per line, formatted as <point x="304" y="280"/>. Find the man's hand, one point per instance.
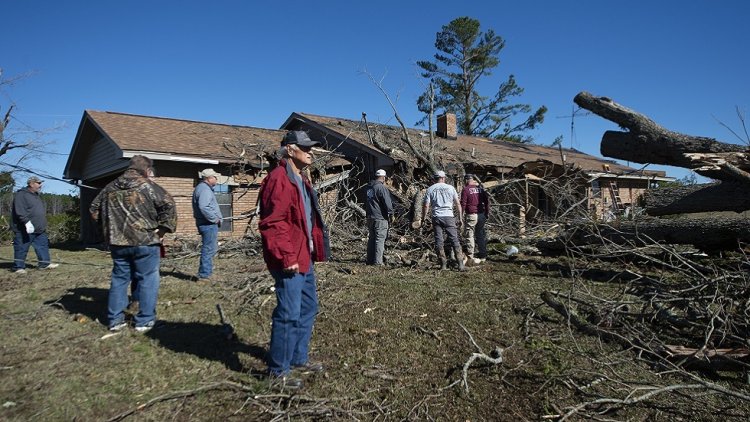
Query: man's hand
<point x="29" y="227"/>
<point x="218" y="223"/>
<point x="292" y="268"/>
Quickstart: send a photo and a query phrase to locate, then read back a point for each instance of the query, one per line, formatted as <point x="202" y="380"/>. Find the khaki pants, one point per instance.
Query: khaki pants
<point x="475" y="235"/>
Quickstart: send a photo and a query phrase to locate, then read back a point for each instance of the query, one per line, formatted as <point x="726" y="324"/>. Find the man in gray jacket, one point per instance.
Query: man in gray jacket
<point x="208" y="219"/>
<point x="379" y="212"/>
<point x="29" y="225"/>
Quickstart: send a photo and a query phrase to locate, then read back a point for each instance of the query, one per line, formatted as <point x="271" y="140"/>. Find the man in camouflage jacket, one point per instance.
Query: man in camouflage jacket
<point x="134" y="213"/>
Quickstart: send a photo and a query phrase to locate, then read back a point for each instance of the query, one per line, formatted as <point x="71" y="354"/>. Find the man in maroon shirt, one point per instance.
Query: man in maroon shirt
<point x="476" y="205"/>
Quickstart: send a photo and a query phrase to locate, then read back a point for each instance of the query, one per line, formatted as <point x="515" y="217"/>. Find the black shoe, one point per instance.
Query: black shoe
<point x="309" y="367"/>
<point x="286" y="382"/>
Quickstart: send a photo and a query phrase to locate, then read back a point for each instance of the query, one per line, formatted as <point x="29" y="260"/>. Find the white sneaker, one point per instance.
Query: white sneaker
<point x="20" y="271"/>
<point x="118" y="327"/>
<point x="49" y="267"/>
<point x="477" y="260"/>
<point x="145" y="328"/>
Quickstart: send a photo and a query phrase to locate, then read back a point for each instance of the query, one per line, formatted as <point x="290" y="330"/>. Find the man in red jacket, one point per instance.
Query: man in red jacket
<point x="294" y="236"/>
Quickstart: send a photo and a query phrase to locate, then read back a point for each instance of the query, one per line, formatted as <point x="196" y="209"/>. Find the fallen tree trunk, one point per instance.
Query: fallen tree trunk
<point x="647" y="142"/>
<point x="726" y="359"/>
<point x="726" y="196"/>
<point x="708" y="231"/>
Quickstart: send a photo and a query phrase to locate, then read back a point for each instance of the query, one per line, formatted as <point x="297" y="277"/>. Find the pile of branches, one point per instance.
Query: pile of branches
<point x="680" y="311"/>
<point x="683" y="312"/>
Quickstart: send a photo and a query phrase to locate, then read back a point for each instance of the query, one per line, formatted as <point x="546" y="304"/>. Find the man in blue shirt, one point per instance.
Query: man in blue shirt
<point x="208" y="219"/>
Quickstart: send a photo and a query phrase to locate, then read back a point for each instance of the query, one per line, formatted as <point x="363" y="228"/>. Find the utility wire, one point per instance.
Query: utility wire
<point x="45" y="175"/>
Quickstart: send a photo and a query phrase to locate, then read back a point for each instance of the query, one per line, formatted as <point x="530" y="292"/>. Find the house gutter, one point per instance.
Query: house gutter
<point x="168" y="157"/>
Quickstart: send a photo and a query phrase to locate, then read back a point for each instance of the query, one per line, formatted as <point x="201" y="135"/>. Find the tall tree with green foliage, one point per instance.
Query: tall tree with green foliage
<point x="465" y="55"/>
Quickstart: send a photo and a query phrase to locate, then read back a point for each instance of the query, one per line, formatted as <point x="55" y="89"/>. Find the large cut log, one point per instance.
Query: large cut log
<point x="709" y="231"/>
<point x="725" y="196"/>
<point x="648" y="142"/>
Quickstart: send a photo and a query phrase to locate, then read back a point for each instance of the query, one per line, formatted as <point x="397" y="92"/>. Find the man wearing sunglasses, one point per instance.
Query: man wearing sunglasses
<point x="30" y="227"/>
<point x="294" y="236"/>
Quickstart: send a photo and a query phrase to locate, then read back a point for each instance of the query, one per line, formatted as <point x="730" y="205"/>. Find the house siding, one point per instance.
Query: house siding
<point x="104" y="158"/>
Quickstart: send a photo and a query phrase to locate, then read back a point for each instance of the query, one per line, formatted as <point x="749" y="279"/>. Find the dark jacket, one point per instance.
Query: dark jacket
<point x="378" y="205"/>
<point x="28" y="206"/>
<point x="131" y="208"/>
<point x="283" y="224"/>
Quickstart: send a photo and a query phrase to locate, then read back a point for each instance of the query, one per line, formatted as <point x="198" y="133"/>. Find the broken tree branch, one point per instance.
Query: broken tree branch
<point x="647" y="142"/>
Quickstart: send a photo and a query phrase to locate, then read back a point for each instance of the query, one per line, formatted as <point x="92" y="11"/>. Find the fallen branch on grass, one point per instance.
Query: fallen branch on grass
<point x="628" y="400"/>
<point x="496" y="358"/>
<point x="182" y="394"/>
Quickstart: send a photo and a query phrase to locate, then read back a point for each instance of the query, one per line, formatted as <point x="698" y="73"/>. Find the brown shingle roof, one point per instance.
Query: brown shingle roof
<point x="133" y="132"/>
<point x="487" y="152"/>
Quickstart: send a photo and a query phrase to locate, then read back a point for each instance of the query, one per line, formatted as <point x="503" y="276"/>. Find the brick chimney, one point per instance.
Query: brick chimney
<point x="446" y="126"/>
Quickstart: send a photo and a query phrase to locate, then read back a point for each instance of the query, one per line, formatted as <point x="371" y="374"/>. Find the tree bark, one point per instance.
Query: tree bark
<point x="708" y="231"/>
<point x="725" y="196"/>
<point x="647" y="142"/>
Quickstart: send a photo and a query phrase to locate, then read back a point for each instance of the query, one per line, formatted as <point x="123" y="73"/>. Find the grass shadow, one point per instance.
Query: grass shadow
<point x="88" y="301"/>
<point x="205" y="341"/>
<point x="178" y="275"/>
<point x="70" y="246"/>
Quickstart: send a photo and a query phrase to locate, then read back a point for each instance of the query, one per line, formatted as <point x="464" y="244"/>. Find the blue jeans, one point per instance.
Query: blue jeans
<point x="21" y="243"/>
<point x="209" y="238"/>
<point x="139" y="263"/>
<point x="292" y="320"/>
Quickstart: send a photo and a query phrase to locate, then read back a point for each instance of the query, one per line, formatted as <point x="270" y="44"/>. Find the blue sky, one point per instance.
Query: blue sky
<point x="682" y="63"/>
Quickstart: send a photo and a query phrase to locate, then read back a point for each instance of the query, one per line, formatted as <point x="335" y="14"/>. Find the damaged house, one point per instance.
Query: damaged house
<point x="517" y="173"/>
<point x="520" y="176"/>
<point x="105" y="142"/>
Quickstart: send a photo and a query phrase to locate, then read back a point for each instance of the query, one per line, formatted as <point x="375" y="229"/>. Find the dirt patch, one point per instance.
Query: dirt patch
<point x="395" y="342"/>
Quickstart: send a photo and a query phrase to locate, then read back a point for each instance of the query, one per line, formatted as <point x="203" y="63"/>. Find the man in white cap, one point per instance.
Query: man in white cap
<point x="30" y="226"/>
<point x="208" y="219"/>
<point x="442" y="197"/>
<point x="379" y="211"/>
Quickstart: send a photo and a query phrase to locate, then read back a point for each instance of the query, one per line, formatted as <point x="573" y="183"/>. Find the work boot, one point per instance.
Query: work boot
<point x="443" y="259"/>
<point x="460" y="259"/>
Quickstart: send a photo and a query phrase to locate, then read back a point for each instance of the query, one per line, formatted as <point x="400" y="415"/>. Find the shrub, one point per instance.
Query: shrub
<point x="62" y="228"/>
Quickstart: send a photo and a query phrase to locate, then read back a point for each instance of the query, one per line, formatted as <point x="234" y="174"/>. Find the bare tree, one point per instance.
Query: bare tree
<point x="18" y="141"/>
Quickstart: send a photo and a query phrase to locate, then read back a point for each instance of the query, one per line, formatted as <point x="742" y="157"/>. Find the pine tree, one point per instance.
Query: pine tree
<point x="465" y="55"/>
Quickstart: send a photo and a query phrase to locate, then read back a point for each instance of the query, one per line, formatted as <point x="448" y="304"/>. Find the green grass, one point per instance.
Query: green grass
<point x="393" y="341"/>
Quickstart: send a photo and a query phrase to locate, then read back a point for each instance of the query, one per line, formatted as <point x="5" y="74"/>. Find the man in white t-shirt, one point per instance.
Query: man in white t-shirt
<point x="442" y="197"/>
